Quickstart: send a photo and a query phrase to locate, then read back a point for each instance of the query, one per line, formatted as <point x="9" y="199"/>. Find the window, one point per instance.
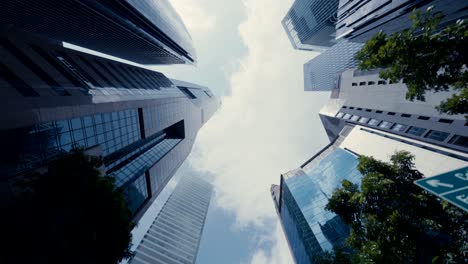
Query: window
<point x="373" y="122"/>
<point x="399" y="127"/>
<point x="459" y="141"/>
<point x="406" y="115"/>
<point x="370" y="83"/>
<point x="354" y="84"/>
<point x="381" y="82"/>
<point x="346" y="116"/>
<point x="423" y="117"/>
<point x="345" y="106"/>
<point x="379" y="112"/>
<point x="362" y="83"/>
<point x="355" y="118"/>
<point x="391" y="113"/>
<point x="385" y="124"/>
<point x="359" y="109"/>
<point x="351" y="107"/>
<point x="447" y="121"/>
<point x="437" y="135"/>
<point x="416" y="131"/>
<point x="187" y="92"/>
<point x="368" y="110"/>
<point x="340" y="115"/>
<point x="363" y="120"/>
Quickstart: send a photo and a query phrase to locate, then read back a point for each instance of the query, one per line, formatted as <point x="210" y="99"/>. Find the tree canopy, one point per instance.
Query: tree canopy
<point x="426" y="57"/>
<point x="394" y="221"/>
<point x="70" y="214"/>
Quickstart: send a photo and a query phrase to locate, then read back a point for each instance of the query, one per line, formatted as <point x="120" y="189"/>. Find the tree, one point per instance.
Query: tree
<point x="425" y="57"/>
<point x="394" y="221"/>
<point x="70" y="214"/>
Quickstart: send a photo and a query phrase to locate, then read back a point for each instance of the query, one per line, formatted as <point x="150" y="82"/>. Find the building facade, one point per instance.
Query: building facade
<point x="310" y="24"/>
<point x="303" y="193"/>
<point x="363" y="98"/>
<point x="360" y="20"/>
<point x="142" y="31"/>
<point x="55" y="99"/>
<point x="321" y="73"/>
<point x="174" y="236"/>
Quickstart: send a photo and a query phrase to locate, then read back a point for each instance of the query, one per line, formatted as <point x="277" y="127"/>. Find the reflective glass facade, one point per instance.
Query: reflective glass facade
<point x="360" y="20"/>
<point x="55" y="99"/>
<point x="143" y="31"/>
<point x="310" y="229"/>
<point x="310" y="24"/>
<point x="175" y="234"/>
<point x="321" y="73"/>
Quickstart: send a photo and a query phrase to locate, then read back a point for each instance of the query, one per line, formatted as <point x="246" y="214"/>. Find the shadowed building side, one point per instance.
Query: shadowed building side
<point x="55" y="99"/>
<point x="142" y="31"/>
<point x="310" y="24"/>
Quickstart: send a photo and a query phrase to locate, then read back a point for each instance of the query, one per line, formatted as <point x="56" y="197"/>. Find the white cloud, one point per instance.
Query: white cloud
<point x="196" y="18"/>
<point x="268" y="126"/>
<point x="277" y="254"/>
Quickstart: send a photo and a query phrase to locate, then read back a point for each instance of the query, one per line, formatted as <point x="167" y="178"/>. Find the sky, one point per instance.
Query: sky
<point x="266" y="126"/>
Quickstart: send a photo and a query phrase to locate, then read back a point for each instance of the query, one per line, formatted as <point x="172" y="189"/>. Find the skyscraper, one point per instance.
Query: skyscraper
<point x="55" y="99"/>
<point x="174" y="236"/>
<point x="310" y="24"/>
<point x="303" y="193"/>
<point x="142" y="31"/>
<point x="360" y="20"/>
<point x="321" y="72"/>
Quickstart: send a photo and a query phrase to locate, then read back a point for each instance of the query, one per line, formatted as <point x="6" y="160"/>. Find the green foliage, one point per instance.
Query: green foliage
<point x="424" y="57"/>
<point x="70" y="214"/>
<point x="394" y="221"/>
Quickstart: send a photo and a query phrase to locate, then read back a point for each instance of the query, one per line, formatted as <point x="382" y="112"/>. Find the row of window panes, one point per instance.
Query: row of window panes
<point x="182" y="244"/>
<point x="441" y="120"/>
<point x="144" y="161"/>
<point x="380" y="82"/>
<point x="161" y="231"/>
<point x="160" y="225"/>
<point x="132" y="150"/>
<point x="158" y="228"/>
<point x="159" y="240"/>
<point x="413" y="130"/>
<point x="164" y="251"/>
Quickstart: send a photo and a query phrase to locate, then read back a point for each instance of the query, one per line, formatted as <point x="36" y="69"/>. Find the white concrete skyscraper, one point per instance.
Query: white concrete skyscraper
<point x="174" y="236"/>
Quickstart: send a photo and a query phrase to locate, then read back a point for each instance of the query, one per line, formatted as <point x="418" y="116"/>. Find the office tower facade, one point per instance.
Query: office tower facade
<point x="174" y="236"/>
<point x="360" y="20"/>
<point x="310" y="24"/>
<point x="320" y="73"/>
<point x="55" y="99"/>
<point x="363" y="98"/>
<point x="303" y="193"/>
<point x="142" y="31"/>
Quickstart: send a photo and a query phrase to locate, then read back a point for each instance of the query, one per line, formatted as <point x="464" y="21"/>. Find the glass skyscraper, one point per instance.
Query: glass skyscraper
<point x="142" y="31"/>
<point x="174" y="236"/>
<point x="303" y="194"/>
<point x="360" y="20"/>
<point x="322" y="72"/>
<point x="310" y="24"/>
<point x="54" y="99"/>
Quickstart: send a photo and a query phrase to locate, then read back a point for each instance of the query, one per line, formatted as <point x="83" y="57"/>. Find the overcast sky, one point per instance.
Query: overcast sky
<point x="266" y="126"/>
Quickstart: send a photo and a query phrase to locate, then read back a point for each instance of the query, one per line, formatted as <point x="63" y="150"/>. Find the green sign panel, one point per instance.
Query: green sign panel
<point x="451" y="186"/>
